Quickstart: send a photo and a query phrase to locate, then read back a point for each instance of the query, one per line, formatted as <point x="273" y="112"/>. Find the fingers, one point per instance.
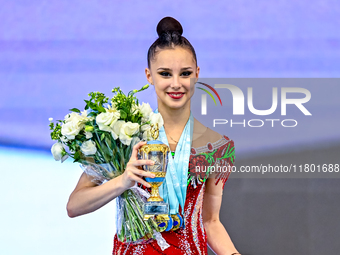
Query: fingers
<point x="143" y="182"/>
<point x="142" y="173"/>
<point x="135" y="150"/>
<point x="142" y="162"/>
<point x="134" y="174"/>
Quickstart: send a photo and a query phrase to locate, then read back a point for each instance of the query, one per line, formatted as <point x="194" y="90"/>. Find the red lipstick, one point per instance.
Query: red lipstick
<point x="175" y="95"/>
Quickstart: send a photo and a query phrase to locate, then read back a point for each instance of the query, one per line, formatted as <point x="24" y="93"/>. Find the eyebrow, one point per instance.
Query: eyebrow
<point x="168" y="69"/>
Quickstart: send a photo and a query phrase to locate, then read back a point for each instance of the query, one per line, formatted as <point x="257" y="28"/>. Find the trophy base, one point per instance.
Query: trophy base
<point x="151" y="209"/>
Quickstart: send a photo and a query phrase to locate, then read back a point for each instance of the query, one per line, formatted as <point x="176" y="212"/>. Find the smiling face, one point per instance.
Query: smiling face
<point x="170" y="73"/>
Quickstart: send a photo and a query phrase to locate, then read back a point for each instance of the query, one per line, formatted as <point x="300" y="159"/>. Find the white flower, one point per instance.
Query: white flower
<point x="88" y="148"/>
<point x="106" y="120"/>
<point x="84" y="116"/>
<point x="134" y="109"/>
<point x="64" y="139"/>
<point x="88" y="135"/>
<point x="146" y="110"/>
<point x="58" y="152"/>
<point x="84" y="113"/>
<point x="50" y="119"/>
<point x="77" y="118"/>
<point x="73" y="117"/>
<point x="73" y="124"/>
<point x="71" y="129"/>
<point x="146" y="129"/>
<point x="116" y="128"/>
<point x="156" y="118"/>
<point x="127" y="130"/>
<point x="147" y="135"/>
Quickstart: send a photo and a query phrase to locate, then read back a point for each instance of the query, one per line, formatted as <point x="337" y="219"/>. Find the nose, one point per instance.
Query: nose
<point x="176" y="83"/>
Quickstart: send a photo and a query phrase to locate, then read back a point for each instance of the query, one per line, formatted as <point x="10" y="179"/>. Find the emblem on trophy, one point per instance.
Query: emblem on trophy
<point x="158" y="152"/>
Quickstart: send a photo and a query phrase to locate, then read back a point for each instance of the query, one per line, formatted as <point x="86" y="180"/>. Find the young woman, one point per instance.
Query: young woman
<point x="172" y="64"/>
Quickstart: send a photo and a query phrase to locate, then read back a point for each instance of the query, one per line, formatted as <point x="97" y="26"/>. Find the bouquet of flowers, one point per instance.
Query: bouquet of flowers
<point x="101" y="138"/>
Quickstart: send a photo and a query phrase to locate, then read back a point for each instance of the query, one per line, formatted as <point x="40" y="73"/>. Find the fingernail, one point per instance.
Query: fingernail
<point x="152" y="162"/>
<point x="153" y="175"/>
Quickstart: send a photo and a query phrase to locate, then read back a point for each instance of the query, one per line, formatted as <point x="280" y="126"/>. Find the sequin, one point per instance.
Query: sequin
<point x="192" y="239"/>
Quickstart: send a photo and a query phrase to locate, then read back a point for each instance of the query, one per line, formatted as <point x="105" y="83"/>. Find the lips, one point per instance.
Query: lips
<point x="175" y="95"/>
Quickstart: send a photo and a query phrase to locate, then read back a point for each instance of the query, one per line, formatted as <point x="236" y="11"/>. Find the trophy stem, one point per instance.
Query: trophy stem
<point x="155" y="197"/>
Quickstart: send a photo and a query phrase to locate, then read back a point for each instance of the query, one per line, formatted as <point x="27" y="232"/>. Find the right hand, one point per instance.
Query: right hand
<point x="134" y="172"/>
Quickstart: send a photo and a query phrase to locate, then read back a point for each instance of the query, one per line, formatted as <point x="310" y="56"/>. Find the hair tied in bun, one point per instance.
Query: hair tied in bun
<point x="170" y="33"/>
<point x="169" y="24"/>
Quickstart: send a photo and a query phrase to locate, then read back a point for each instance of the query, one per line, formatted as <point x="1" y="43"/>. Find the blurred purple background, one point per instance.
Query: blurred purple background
<point x="53" y="53"/>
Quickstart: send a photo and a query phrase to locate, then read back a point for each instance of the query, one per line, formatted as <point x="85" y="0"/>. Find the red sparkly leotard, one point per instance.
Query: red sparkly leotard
<point x="192" y="239"/>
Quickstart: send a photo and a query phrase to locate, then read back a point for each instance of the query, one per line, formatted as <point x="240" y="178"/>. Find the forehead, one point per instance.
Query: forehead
<point x="173" y="57"/>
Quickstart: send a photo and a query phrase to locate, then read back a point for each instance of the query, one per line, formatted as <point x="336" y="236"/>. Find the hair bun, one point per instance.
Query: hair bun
<point x="169" y="24"/>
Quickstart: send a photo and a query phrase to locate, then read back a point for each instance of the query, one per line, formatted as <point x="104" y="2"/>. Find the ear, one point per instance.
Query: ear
<point x="197" y="73"/>
<point x="148" y="75"/>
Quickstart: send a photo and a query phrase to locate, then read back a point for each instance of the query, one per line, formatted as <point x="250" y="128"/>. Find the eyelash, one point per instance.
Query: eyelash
<point x="165" y="74"/>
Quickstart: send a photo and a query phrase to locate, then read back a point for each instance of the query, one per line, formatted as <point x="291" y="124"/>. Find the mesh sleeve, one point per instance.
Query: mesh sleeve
<point x="224" y="161"/>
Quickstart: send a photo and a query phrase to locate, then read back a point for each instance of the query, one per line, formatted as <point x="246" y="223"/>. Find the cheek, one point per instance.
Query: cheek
<point x="159" y="89"/>
<point x="161" y="84"/>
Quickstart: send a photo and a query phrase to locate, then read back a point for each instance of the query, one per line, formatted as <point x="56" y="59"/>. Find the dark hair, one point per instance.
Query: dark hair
<point x="170" y="33"/>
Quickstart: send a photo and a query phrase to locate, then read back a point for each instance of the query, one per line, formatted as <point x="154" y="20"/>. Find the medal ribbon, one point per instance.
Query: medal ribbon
<point x="174" y="189"/>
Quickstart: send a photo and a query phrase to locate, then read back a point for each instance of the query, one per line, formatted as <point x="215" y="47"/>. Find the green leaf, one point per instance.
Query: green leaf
<point x="123" y="114"/>
<point x="92" y="114"/>
<point x="76" y="155"/>
<point x="75" y="110"/>
<point x="102" y="137"/>
<point x="101" y="108"/>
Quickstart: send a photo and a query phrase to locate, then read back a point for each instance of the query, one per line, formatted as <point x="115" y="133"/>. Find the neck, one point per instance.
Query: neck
<point x="174" y="117"/>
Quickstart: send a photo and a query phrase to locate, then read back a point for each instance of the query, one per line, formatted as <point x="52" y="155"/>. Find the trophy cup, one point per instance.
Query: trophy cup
<point x="158" y="152"/>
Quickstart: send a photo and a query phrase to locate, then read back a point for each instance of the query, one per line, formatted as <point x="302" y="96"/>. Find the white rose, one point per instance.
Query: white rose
<point x="127" y="130"/>
<point x="125" y="139"/>
<point x="71" y="129"/>
<point x="64" y="139"/>
<point x="58" y="152"/>
<point x="145" y="127"/>
<point x="156" y="118"/>
<point x="73" y="117"/>
<point x="88" y="148"/>
<point x="106" y="120"/>
<point x="84" y="116"/>
<point x="147" y="135"/>
<point x="146" y="110"/>
<point x="88" y="135"/>
<point x="116" y="128"/>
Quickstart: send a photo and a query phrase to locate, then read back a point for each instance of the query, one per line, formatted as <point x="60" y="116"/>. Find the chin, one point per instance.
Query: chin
<point x="179" y="105"/>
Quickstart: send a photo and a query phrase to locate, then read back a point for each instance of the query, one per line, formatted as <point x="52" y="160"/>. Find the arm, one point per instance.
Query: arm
<point x="218" y="239"/>
<point x="88" y="197"/>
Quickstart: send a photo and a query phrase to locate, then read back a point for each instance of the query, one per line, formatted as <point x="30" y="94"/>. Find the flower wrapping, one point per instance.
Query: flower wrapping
<point x="101" y="138"/>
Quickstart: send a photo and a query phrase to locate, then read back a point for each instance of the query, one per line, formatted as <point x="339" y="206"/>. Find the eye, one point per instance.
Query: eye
<point x="165" y="73"/>
<point x="187" y="73"/>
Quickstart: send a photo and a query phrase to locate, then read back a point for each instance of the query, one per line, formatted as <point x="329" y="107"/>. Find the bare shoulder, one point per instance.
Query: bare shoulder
<point x="213" y="135"/>
<point x="204" y="135"/>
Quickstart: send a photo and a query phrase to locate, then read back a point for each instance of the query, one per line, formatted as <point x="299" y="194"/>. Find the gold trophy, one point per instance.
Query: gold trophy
<point x="158" y="152"/>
